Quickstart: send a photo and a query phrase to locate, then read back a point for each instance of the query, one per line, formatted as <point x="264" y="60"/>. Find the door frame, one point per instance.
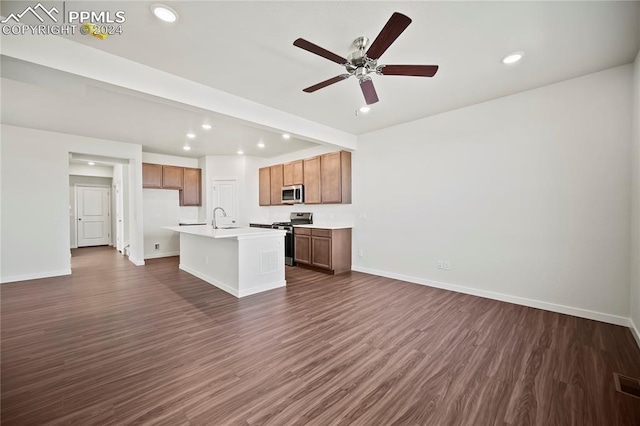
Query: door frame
<point x="75" y="189"/>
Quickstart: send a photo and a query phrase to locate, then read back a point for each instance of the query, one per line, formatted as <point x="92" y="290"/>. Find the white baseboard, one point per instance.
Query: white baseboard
<point x="136" y="262"/>
<point x="162" y="254"/>
<point x="635" y="331"/>
<point x="547" y="306"/>
<point x="210" y="280"/>
<point x="255" y="290"/>
<point x="231" y="290"/>
<point x="35" y="276"/>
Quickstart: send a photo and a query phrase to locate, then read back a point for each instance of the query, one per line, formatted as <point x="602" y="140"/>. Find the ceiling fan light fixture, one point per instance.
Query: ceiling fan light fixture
<point x="364" y="109"/>
<point x="164" y="13"/>
<point x="512" y="58"/>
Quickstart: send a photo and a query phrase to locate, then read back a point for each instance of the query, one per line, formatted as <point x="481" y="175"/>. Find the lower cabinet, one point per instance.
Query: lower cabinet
<point x="328" y="250"/>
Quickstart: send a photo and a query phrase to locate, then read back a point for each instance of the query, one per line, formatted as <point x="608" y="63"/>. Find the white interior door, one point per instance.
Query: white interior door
<point x="225" y="195"/>
<point x="94" y="222"/>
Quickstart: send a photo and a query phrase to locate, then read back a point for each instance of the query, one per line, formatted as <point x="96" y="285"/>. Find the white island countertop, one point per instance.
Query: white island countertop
<point x="238" y="233"/>
<point x="325" y="226"/>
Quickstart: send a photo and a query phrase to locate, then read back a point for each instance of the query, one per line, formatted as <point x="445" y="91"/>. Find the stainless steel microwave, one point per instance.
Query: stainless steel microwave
<point x="292" y="194"/>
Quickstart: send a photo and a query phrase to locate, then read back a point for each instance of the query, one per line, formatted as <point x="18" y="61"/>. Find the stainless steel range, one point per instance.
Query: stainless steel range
<point x="296" y="218"/>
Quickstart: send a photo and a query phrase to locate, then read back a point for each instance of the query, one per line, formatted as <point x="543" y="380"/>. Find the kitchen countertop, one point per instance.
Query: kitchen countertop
<point x="239" y="233"/>
<point x="321" y="226"/>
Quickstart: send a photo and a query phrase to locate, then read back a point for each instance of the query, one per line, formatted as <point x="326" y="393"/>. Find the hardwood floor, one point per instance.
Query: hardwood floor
<point x="117" y="344"/>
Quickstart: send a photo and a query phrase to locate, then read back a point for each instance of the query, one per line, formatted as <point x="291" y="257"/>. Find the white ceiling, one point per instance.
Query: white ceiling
<point x="245" y="48"/>
<point x="43" y="98"/>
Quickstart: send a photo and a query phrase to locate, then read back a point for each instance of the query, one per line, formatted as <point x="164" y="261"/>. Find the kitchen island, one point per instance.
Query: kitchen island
<point x="240" y="261"/>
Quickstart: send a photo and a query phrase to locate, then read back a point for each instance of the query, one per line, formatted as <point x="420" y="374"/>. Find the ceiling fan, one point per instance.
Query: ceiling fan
<point x="360" y="63"/>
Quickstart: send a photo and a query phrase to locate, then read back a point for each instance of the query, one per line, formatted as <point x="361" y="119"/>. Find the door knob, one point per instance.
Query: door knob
<point x="79" y="218"/>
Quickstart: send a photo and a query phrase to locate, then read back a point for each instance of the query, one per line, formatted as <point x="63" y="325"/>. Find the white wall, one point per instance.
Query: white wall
<point x="90" y="181"/>
<point x="322" y="214"/>
<point x="161" y="208"/>
<point x="35" y="199"/>
<point x="527" y="196"/>
<point x="87" y="170"/>
<point x="635" y="200"/>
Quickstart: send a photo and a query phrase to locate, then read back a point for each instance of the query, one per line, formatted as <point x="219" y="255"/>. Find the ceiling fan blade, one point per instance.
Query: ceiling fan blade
<point x="392" y="29"/>
<point x="369" y="92"/>
<point x="412" y="70"/>
<point x="326" y="83"/>
<point x="313" y="48"/>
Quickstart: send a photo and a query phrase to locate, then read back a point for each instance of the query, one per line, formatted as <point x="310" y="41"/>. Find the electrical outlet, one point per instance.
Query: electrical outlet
<point x="360" y="253"/>
<point x="447" y="265"/>
<point x="157" y="246"/>
<point x="440" y="264"/>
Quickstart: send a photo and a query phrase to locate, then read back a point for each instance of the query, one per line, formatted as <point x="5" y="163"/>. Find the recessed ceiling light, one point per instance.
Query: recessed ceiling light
<point x="91" y="163"/>
<point x="191" y="135"/>
<point x="286" y="135"/>
<point x="164" y="13"/>
<point x="186" y="148"/>
<point x="206" y="126"/>
<point x="512" y="58"/>
<point x="365" y="109"/>
<point x="260" y="145"/>
<point x="240" y="152"/>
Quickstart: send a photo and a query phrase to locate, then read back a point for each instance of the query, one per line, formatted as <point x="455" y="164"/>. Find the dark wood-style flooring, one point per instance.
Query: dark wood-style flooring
<point x="116" y="344"/>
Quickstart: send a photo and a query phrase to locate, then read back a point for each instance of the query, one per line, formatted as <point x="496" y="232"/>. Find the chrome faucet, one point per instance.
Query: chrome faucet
<point x="213" y="221"/>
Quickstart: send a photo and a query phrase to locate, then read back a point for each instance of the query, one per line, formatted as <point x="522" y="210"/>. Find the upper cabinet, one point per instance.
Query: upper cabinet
<point x="191" y="189"/>
<point x="312" y="181"/>
<point x="172" y="177"/>
<point x="187" y="180"/>
<point x="276" y="184"/>
<point x="335" y="172"/>
<point x="264" y="178"/>
<point x="293" y="173"/>
<point x="151" y="175"/>
<point x="326" y="179"/>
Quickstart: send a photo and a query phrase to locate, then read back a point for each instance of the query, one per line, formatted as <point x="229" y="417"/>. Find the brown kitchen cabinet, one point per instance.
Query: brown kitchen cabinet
<point x="151" y="175"/>
<point x="293" y="173"/>
<point x="326" y="250"/>
<point x="302" y="246"/>
<point x="311" y="180"/>
<point x="326" y="179"/>
<point x="191" y="193"/>
<point x="276" y="176"/>
<point x="264" y="185"/>
<point x="185" y="179"/>
<point x="335" y="174"/>
<point x="172" y="177"/>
